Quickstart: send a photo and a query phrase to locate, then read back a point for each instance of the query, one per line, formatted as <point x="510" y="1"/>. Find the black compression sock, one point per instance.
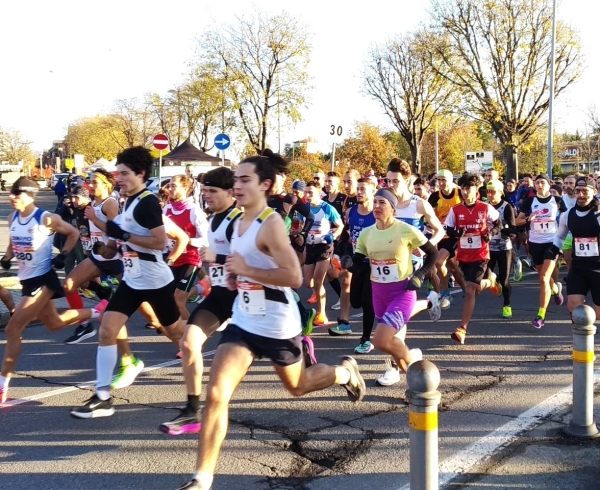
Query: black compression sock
<point x="193" y="402"/>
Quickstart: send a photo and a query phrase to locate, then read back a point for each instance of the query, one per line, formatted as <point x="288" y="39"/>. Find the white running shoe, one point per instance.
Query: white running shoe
<point x="435" y="312"/>
<point x="391" y="375"/>
<point x="336" y="306"/>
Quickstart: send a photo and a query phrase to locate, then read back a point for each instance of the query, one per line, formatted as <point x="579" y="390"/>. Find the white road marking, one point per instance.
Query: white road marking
<point x="87" y="384"/>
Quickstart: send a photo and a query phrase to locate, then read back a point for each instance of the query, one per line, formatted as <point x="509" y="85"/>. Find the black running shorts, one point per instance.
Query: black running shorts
<point x="127" y="300"/>
<point x="473" y="271"/>
<point x="538" y="252"/>
<point x="283" y="352"/>
<point x="108" y="267"/>
<point x="31" y="287"/>
<point x="582" y="280"/>
<point x="317" y="253"/>
<point x="185" y="276"/>
<point x="219" y="302"/>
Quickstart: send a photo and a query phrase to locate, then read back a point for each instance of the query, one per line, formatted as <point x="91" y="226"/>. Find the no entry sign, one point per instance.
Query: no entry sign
<point x="161" y="142"/>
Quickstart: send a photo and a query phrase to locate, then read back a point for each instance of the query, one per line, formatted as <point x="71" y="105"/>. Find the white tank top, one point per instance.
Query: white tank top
<point x="31" y="244"/>
<point x="138" y="273"/>
<point x="252" y="312"/>
<point x="410" y="215"/>
<point x="543" y="227"/>
<point x="219" y="244"/>
<point x="96" y="234"/>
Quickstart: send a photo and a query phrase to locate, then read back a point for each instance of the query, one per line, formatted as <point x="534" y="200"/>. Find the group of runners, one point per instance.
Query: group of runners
<point x="376" y="246"/>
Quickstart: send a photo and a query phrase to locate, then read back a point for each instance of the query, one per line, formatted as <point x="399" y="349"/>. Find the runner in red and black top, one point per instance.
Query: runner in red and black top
<point x="216" y="308"/>
<point x="474" y="223"/>
<point x="186" y="214"/>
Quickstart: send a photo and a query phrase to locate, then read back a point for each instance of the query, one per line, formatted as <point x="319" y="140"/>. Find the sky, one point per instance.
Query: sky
<point x="66" y="59"/>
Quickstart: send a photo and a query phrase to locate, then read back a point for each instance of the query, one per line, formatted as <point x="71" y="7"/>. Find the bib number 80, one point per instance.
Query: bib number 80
<point x="23" y="256"/>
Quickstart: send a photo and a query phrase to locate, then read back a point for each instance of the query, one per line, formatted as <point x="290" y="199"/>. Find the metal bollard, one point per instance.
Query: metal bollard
<point x="423" y="379"/>
<point x="582" y="420"/>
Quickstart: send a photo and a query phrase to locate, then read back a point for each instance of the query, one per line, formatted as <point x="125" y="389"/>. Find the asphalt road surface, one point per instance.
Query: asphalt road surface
<point x="317" y="442"/>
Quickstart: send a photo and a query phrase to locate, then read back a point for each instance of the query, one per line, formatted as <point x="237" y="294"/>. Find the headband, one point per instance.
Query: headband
<point x="389" y="195"/>
<point x="103" y="178"/>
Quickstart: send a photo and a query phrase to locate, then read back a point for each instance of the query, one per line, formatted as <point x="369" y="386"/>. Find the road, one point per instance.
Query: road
<point x="318" y="442"/>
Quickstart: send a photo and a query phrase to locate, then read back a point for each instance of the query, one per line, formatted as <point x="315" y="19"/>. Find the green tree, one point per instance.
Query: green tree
<point x="411" y="92"/>
<point x="263" y="59"/>
<point x="15" y="148"/>
<point x="498" y="54"/>
<point x="95" y="138"/>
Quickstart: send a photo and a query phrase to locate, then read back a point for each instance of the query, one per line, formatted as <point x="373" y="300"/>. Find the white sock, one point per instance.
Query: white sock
<point x="106" y="361"/>
<point x="205" y="479"/>
<point x="345" y="377"/>
<point x="4" y="382"/>
<point x="95" y="314"/>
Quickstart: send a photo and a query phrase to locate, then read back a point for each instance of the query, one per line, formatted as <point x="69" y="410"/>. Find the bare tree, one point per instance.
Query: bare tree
<point x="14" y="147"/>
<point x="134" y="121"/>
<point x="400" y="76"/>
<point x="264" y="60"/>
<point x="498" y="54"/>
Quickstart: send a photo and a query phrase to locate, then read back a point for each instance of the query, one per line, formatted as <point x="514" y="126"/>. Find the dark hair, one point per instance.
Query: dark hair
<point x="108" y="176"/>
<point x="419" y="181"/>
<point x="267" y="165"/>
<point x="221" y="177"/>
<point x="312" y="183"/>
<point x="333" y="174"/>
<point x="138" y="159"/>
<point x="399" y="165"/>
<point x="469" y="180"/>
<point x="164" y="195"/>
<point x="366" y="181"/>
<point x="528" y="175"/>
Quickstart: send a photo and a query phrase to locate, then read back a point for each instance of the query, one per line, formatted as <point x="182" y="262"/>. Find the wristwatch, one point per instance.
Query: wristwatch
<point x="126" y="236"/>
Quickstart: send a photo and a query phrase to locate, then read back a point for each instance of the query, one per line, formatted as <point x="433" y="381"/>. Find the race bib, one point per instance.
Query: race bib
<point x="470" y="242"/>
<point x="95" y="236"/>
<point x="314" y="237"/>
<point x="544" y="226"/>
<point x="384" y="271"/>
<point x="252" y="298"/>
<point x="217" y="275"/>
<point x="131" y="262"/>
<point x="586" y="247"/>
<point x="86" y="243"/>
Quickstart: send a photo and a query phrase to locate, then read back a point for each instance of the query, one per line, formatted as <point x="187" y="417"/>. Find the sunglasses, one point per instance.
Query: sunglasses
<point x="16" y="192"/>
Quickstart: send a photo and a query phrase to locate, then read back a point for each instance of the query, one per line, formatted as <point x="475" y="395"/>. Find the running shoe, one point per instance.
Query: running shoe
<point x="364" y="347"/>
<point x="506" y="312"/>
<point x="308" y="352"/>
<point x="537" y="322"/>
<point x="459" y="335"/>
<point x="558" y="297"/>
<point x="451" y="281"/>
<point x="356" y="387"/>
<point x="3" y="395"/>
<point x="82" y="332"/>
<point x="496" y="289"/>
<point x="93" y="408"/>
<point x="320" y="320"/>
<point x="313" y="299"/>
<point x="391" y="375"/>
<point x="435" y="312"/>
<point x="128" y="371"/>
<point x="104" y="282"/>
<point x="343" y="328"/>
<point x="337" y="306"/>
<point x="86" y="293"/>
<point x="518" y="271"/>
<point x="179" y="355"/>
<point x="186" y="422"/>
<point x="308" y="328"/>
<point x="113" y="280"/>
<point x="335" y="261"/>
<point x="193" y="299"/>
<point x="445" y="300"/>
<point x="149" y="326"/>
<point x="526" y="261"/>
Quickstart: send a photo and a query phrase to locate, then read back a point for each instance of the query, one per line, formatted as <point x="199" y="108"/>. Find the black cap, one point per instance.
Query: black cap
<point x="585" y="182"/>
<point x="545" y="177"/>
<point x="23" y="184"/>
<point x="80" y="191"/>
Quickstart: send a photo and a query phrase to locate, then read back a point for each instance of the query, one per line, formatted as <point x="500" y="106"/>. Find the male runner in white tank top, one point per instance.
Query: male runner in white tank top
<point x="262" y="266"/>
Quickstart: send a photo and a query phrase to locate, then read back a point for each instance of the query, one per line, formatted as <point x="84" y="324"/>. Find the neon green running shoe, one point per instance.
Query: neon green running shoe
<point x="128" y="371"/>
<point x="506" y="312"/>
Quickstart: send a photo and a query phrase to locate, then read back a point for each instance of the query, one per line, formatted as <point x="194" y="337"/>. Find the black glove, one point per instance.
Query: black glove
<point x="58" y="262"/>
<point x="552" y="253"/>
<point x="346" y="262"/>
<point x="5" y="262"/>
<point x="460" y="232"/>
<point x="97" y="246"/>
<point x="486" y="237"/>
<point x="113" y="230"/>
<point x="505" y="234"/>
<point x="415" y="281"/>
<point x="299" y="240"/>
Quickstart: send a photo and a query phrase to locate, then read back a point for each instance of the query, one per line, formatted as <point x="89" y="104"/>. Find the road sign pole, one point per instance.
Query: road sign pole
<point x="333" y="157"/>
<point x="222" y="158"/>
<point x="159" y="167"/>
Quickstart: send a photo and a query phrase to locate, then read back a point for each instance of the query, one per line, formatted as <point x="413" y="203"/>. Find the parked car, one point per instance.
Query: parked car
<point x="152" y="184"/>
<point x="54" y="179"/>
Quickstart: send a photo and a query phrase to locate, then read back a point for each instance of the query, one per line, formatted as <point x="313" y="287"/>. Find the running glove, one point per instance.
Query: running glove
<point x="5" y="262"/>
<point x="97" y="247"/>
<point x="58" y="262"/>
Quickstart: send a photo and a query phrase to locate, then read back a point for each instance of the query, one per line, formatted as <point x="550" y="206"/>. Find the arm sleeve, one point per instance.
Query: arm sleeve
<point x="509" y="219"/>
<point x="562" y="232"/>
<point x="148" y="213"/>
<point x="431" y="254"/>
<point x="307" y="215"/>
<point x="201" y="226"/>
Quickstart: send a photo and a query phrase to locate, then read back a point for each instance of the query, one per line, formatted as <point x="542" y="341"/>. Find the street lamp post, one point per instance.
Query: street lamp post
<point x="551" y="98"/>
